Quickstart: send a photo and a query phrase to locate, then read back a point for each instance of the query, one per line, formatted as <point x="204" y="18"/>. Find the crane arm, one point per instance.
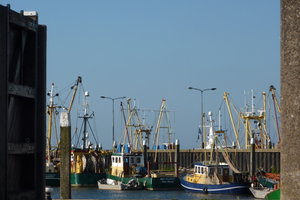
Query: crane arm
<point x="75" y="87"/>
<point x="231" y="119"/>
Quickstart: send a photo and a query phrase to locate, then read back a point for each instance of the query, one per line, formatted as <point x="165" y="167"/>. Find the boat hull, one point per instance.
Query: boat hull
<point x="86" y="179"/>
<point x="77" y="180"/>
<point x="275" y="195"/>
<point x="231" y="188"/>
<point x="102" y="186"/>
<point x="260" y="193"/>
<point x="52" y="179"/>
<point x="152" y="183"/>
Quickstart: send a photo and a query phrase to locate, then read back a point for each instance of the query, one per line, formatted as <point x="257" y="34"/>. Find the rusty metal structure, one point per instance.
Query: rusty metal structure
<point x="22" y="105"/>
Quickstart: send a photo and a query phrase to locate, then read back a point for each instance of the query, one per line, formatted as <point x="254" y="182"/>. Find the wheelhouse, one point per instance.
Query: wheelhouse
<point x="222" y="169"/>
<point x="129" y="159"/>
<point x="125" y="164"/>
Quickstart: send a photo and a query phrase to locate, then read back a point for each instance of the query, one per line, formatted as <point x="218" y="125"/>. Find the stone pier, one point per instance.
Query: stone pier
<point x="290" y="99"/>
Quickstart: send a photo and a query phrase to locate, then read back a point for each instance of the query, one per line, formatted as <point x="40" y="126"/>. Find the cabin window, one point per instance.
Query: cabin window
<point x="126" y="160"/>
<point x="202" y="170"/>
<point x="211" y="171"/>
<point x="219" y="171"/>
<point x="113" y="159"/>
<point x="226" y="172"/>
<point x="138" y="159"/>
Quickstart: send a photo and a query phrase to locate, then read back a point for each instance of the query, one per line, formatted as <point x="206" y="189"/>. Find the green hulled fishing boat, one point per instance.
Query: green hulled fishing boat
<point x="87" y="161"/>
<point x="129" y="163"/>
<point x="130" y="166"/>
<point x="86" y="169"/>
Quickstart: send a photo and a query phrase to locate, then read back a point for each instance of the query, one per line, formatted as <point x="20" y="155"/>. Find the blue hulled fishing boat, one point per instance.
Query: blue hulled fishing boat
<point x="214" y="178"/>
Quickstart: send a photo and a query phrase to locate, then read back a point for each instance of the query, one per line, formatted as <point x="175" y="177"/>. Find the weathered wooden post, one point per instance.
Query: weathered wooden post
<point x="65" y="149"/>
<point x="290" y="99"/>
<point x="176" y="165"/>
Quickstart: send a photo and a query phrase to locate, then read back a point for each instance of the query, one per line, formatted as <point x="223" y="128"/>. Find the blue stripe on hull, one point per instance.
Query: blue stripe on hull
<point x="233" y="188"/>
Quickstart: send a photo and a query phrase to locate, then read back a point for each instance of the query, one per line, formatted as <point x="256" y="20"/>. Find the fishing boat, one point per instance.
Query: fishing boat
<point x="87" y="160"/>
<point x="86" y="167"/>
<point x="129" y="166"/>
<point x="87" y="164"/>
<point x="213" y="176"/>
<point x="129" y="162"/>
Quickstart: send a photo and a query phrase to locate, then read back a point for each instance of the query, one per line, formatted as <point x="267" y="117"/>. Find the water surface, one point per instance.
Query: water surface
<point x="94" y="193"/>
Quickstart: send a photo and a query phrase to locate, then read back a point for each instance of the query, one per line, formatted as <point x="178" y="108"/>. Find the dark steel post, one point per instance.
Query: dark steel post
<point x="40" y="117"/>
<point x="4" y="30"/>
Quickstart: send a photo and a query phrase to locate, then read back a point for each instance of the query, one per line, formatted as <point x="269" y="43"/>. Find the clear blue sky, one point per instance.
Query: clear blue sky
<point x="151" y="50"/>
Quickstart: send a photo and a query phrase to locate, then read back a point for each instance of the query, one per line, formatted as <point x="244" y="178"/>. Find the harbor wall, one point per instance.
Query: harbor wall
<point x="290" y="99"/>
<point x="265" y="159"/>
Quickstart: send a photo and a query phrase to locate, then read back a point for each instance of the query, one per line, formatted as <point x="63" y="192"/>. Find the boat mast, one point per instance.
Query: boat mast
<point x="163" y="115"/>
<point x="126" y="122"/>
<point x="50" y="111"/>
<point x="85" y="117"/>
<point x="211" y="136"/>
<point x="276" y="105"/>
